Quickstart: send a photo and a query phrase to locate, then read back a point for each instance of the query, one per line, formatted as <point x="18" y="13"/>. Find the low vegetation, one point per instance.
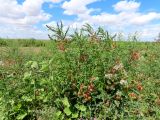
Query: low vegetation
<point x="88" y="75"/>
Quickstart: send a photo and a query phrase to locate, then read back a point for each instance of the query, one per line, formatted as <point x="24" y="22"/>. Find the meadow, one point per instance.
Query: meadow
<point x="90" y="75"/>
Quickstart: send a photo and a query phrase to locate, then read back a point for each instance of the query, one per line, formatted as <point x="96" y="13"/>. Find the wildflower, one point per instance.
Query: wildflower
<point x="118" y="66"/>
<point x="91" y="87"/>
<point x="109" y="76"/>
<point x="118" y="95"/>
<point x="123" y="82"/>
<point x="139" y="87"/>
<point x="113" y="71"/>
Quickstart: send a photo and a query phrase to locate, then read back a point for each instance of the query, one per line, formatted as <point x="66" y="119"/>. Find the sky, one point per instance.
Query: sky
<point x="28" y="18"/>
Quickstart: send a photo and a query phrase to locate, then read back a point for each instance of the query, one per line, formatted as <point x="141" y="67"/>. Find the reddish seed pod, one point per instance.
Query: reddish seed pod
<point x="88" y="98"/>
<point x="139" y="87"/>
<point x="92" y="85"/>
<point x="61" y="46"/>
<point x="83" y="57"/>
<point x="133" y="95"/>
<point x="81" y="86"/>
<point x="86" y="94"/>
<point x="135" y="55"/>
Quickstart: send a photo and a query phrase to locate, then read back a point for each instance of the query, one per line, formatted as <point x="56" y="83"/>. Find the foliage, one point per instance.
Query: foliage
<point x="3" y="42"/>
<point x="23" y="42"/>
<point x="58" y="32"/>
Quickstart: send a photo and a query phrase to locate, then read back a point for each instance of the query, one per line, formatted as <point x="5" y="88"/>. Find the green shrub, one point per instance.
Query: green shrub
<point x="3" y="42"/>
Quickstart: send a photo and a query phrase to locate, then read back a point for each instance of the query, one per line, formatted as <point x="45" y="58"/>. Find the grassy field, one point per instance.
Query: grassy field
<point x="81" y="78"/>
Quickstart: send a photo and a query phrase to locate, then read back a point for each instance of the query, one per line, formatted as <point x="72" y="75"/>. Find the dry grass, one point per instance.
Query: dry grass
<point x="7" y="62"/>
<point x="34" y="50"/>
<point x="23" y="50"/>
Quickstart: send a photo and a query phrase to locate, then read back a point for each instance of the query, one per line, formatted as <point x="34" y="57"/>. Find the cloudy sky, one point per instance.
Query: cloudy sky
<point x="27" y="18"/>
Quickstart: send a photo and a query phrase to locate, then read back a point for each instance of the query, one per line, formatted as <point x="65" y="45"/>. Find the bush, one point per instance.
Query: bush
<point x="3" y="42"/>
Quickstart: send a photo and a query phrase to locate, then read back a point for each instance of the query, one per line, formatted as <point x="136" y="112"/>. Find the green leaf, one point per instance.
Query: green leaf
<point x="21" y="116"/>
<point x="27" y="75"/>
<point x="29" y="63"/>
<point x="50" y="61"/>
<point x="75" y="115"/>
<point x="65" y="102"/>
<point x="32" y="82"/>
<point x="67" y="111"/>
<point x="26" y="98"/>
<point x="17" y="107"/>
<point x="77" y="106"/>
<point x="81" y="107"/>
<point x="34" y="65"/>
<point x="45" y="66"/>
<point x="58" y="113"/>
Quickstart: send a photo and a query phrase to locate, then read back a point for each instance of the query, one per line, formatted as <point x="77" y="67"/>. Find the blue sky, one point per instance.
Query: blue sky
<point x="27" y="18"/>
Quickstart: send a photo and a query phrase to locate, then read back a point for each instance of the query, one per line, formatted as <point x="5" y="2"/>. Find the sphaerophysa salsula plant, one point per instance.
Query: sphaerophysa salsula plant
<point x="88" y="77"/>
<point x="100" y="34"/>
<point x="59" y="33"/>
<point x="81" y="65"/>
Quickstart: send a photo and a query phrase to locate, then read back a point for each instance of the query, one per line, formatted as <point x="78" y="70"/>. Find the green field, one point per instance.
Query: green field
<point x="84" y="77"/>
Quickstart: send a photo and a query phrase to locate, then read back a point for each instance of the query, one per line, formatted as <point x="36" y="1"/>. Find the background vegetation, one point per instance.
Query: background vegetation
<point x="87" y="75"/>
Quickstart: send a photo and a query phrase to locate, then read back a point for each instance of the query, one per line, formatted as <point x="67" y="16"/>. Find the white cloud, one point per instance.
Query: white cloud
<point x="141" y="19"/>
<point x="10" y="9"/>
<point x="12" y="31"/>
<point x="149" y="32"/>
<point x="56" y="1"/>
<point x="123" y="19"/>
<point x="32" y="7"/>
<point x="20" y="16"/>
<point x="77" y="7"/>
<point x="29" y="13"/>
<point x="128" y="6"/>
